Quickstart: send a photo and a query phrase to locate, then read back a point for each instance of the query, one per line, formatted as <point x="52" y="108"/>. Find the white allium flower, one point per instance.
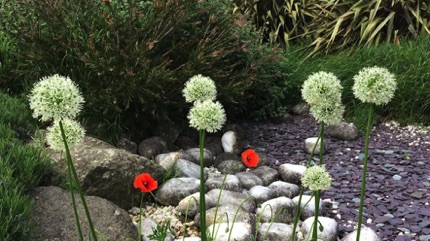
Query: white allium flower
<point x="199" y="87"/>
<point x="207" y="115"/>
<point x="55" y="97"/>
<point x="328" y="113"/>
<point x="374" y="85"/>
<point x="73" y="131"/>
<point x="321" y="87"/>
<point x="316" y="178"/>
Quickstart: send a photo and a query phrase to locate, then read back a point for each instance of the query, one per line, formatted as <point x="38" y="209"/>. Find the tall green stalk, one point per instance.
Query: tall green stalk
<point x="317" y="195"/>
<point x="298" y="208"/>
<point x="321" y="137"/>
<point x="202" y="203"/>
<point x="363" y="176"/>
<point x="72" y="194"/>
<point x="76" y="181"/>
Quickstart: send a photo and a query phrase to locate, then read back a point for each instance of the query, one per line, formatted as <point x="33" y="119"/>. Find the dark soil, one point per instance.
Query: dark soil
<point x="398" y="174"/>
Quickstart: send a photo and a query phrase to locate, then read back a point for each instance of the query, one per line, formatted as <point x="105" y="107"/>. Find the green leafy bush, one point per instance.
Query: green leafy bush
<point x="22" y="167"/>
<point x="131" y="58"/>
<point x="407" y="61"/>
<point x="337" y="25"/>
<point x="16" y="113"/>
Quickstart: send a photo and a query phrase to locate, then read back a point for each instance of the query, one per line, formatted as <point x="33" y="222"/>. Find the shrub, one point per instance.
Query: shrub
<point x="131" y="58"/>
<point x="16" y="113"/>
<point x="338" y="25"/>
<point x="22" y="167"/>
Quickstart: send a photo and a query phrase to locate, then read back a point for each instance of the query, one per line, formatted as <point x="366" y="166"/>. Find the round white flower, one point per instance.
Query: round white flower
<point x="316" y="178"/>
<point x="55" y="97"/>
<point x="321" y="87"/>
<point x="330" y="114"/>
<point x="73" y="131"/>
<point x="199" y="87"/>
<point x="207" y="115"/>
<point x="374" y="85"/>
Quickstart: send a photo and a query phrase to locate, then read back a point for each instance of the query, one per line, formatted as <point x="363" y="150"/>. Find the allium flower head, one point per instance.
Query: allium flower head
<point x="55" y="97"/>
<point x="207" y="115"/>
<point x="73" y="131"/>
<point x="199" y="87"/>
<point x="321" y="87"/>
<point x="329" y="113"/>
<point x="316" y="178"/>
<point x="374" y="85"/>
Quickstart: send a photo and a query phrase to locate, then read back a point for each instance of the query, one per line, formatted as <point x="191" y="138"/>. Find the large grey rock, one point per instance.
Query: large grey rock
<point x="106" y="171"/>
<point x="330" y="231"/>
<point x="342" y="131"/>
<point x="208" y="158"/>
<point x="152" y="146"/>
<point x="225" y="182"/>
<point x="286" y="189"/>
<point x="249" y="180"/>
<point x="366" y="234"/>
<point x="128" y="145"/>
<point x="310" y="144"/>
<point x="230" y="198"/>
<point x="275" y="232"/>
<point x="189" y="206"/>
<point x="223" y="213"/>
<point x="280" y="209"/>
<point x="213" y="144"/>
<point x="291" y="173"/>
<point x="261" y="193"/>
<point x="266" y="174"/>
<point x="176" y="189"/>
<point x="307" y="206"/>
<point x="168" y="160"/>
<point x="231" y="167"/>
<point x="54" y="219"/>
<point x="185" y="168"/>
<point x="237" y="231"/>
<point x="225" y="156"/>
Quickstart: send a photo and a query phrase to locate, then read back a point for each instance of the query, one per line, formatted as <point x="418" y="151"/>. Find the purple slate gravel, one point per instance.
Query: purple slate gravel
<point x="395" y="209"/>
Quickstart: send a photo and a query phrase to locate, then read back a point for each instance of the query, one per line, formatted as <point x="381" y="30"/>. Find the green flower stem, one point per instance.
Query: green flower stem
<point x="317" y="195"/>
<point x="363" y="176"/>
<point x="75" y="211"/>
<point x="75" y="176"/>
<point x="321" y="136"/>
<point x="140" y="219"/>
<point x="202" y="203"/>
<point x="298" y="207"/>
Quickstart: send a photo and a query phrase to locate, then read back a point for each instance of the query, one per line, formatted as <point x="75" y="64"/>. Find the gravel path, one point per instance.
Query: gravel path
<point x="398" y="181"/>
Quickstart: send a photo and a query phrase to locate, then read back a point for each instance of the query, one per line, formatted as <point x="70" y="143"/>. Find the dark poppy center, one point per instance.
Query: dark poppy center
<point x="248" y="158"/>
<point x="145" y="184"/>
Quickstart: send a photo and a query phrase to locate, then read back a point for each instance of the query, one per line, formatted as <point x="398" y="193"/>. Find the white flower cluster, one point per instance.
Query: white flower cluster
<point x="374" y="85"/>
<point x="316" y="178"/>
<point x="57" y="98"/>
<point x="206" y="113"/>
<point x="199" y="87"/>
<point x="72" y="129"/>
<point x="322" y="91"/>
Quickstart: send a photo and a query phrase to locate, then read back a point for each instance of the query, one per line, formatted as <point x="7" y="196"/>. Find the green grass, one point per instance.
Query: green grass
<point x="409" y="61"/>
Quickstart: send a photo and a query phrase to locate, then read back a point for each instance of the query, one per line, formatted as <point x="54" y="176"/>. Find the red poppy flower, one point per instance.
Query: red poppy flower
<point x="145" y="182"/>
<point x="250" y="158"/>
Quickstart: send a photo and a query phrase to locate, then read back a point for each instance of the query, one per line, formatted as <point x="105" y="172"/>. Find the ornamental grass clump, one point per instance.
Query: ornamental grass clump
<point x="56" y="98"/>
<point x="375" y="86"/>
<point x="206" y="115"/>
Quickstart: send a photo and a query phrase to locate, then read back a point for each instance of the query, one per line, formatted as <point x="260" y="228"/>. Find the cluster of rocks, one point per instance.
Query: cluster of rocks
<point x="247" y="202"/>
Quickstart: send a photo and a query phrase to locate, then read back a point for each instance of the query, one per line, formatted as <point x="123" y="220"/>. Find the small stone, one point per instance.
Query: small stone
<point x="417" y="195"/>
<point x="356" y="200"/>
<point x="397" y="177"/>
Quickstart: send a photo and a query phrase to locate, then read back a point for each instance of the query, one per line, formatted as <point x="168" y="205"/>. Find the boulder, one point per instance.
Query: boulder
<point x="342" y="131"/>
<point x="54" y="218"/>
<point x="106" y="171"/>
<point x="152" y="146"/>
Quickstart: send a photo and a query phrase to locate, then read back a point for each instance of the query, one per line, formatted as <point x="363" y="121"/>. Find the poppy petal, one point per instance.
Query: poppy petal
<point x="250" y="158"/>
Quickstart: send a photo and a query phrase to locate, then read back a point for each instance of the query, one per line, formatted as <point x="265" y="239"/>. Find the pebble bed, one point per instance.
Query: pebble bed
<point x="397" y="197"/>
